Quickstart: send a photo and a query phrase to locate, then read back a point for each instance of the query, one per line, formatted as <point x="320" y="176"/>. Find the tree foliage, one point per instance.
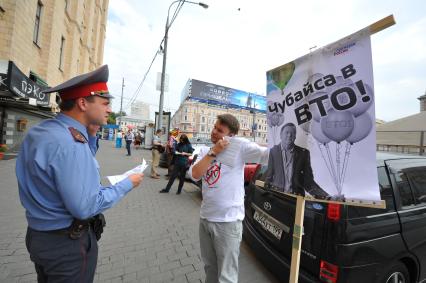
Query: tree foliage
<point x="112" y="118"/>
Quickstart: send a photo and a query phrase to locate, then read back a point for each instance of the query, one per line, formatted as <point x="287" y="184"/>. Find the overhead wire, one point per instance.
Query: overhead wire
<point x="138" y="89"/>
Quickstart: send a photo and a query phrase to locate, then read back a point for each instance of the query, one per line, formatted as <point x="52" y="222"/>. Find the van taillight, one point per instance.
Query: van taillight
<point x="333" y="211"/>
<point x="328" y="272"/>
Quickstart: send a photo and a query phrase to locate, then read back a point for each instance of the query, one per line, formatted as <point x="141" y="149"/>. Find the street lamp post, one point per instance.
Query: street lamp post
<point x="163" y="72"/>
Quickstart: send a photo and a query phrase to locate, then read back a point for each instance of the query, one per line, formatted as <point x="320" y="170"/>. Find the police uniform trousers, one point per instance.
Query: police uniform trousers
<point x="58" y="258"/>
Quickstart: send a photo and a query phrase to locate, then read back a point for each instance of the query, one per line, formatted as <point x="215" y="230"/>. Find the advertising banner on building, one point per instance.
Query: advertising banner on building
<point x="321" y="123"/>
<point x="228" y="97"/>
<point x="22" y="86"/>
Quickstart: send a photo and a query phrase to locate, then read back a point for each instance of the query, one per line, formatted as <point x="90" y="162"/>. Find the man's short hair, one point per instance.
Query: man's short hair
<point x="230" y="121"/>
<point x="67" y="105"/>
<point x="158" y="131"/>
<point x="288" y="125"/>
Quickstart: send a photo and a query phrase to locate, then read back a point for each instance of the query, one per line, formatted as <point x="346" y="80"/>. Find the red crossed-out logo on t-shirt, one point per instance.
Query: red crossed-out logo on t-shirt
<point x="213" y="174"/>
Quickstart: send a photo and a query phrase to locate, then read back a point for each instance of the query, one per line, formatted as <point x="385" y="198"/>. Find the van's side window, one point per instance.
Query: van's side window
<point x="386" y="193"/>
<point x="417" y="177"/>
<point x="404" y="189"/>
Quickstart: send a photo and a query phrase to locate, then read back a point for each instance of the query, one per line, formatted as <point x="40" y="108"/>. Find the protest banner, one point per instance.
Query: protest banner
<point x="321" y="128"/>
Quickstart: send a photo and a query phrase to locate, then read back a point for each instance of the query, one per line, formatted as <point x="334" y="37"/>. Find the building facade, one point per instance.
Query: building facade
<point x="202" y="104"/>
<point x="140" y="109"/>
<point x="43" y="43"/>
<point x="407" y="134"/>
<point x="127" y="122"/>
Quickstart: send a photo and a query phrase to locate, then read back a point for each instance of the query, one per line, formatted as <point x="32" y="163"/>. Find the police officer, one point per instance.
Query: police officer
<point x="59" y="182"/>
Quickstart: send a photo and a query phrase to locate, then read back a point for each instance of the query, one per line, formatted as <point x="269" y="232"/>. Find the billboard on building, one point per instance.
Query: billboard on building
<point x="225" y="96"/>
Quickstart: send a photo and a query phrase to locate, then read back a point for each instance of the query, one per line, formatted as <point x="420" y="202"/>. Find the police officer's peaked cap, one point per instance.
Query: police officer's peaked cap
<point x="90" y="84"/>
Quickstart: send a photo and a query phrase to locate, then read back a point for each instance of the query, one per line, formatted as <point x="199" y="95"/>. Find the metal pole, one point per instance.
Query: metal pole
<point x="163" y="76"/>
<point x="121" y="104"/>
<point x="422" y="149"/>
<point x="163" y="72"/>
<point x="254" y="124"/>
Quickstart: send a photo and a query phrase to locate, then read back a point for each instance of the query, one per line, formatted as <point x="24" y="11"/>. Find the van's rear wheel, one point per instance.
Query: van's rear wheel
<point x="398" y="273"/>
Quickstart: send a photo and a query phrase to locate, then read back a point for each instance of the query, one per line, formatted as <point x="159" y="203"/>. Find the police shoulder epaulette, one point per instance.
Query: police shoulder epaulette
<point x="77" y="135"/>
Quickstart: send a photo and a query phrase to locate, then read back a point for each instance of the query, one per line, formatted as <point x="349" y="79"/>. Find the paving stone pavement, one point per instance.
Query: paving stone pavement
<point x="149" y="237"/>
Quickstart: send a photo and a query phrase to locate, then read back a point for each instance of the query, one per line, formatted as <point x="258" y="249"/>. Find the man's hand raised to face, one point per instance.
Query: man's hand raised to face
<point x="220" y="145"/>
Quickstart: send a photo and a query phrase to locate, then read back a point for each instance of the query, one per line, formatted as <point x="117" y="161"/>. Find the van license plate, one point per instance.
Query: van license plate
<point x="267" y="225"/>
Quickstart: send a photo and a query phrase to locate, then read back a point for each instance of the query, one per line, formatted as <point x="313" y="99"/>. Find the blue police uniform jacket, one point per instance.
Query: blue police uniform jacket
<point x="58" y="176"/>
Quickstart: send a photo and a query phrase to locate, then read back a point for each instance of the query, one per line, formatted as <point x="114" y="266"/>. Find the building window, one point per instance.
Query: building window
<point x="203" y="129"/>
<point x="61" y="54"/>
<point x="203" y="119"/>
<point x="186" y="118"/>
<point x="37" y="23"/>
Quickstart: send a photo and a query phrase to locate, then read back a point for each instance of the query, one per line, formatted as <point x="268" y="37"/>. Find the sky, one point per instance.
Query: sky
<point x="234" y="42"/>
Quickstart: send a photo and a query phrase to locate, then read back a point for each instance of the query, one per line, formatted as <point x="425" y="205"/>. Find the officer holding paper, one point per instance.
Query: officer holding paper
<point x="59" y="182"/>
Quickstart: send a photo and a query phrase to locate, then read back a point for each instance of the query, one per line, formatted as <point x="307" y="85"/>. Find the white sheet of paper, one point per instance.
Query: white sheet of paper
<point x="138" y="169"/>
<point x="228" y="156"/>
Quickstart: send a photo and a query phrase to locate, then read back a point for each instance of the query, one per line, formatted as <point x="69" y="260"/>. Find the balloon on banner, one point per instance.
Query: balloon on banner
<point x="337" y="125"/>
<point x="317" y="133"/>
<point x="282" y="75"/>
<point x="313" y="108"/>
<point x="361" y="106"/>
<point x="362" y="127"/>
<point x="340" y="82"/>
<point x="271" y="86"/>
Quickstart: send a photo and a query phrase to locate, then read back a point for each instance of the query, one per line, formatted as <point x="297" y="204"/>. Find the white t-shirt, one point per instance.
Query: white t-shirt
<point x="223" y="186"/>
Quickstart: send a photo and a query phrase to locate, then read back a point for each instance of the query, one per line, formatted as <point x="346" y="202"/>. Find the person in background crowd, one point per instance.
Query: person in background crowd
<point x="129" y="140"/>
<point x="170" y="150"/>
<point x="98" y="137"/>
<point x="138" y="140"/>
<point x="59" y="182"/>
<point x="222" y="207"/>
<point x="182" y="151"/>
<point x="118" y="139"/>
<point x="142" y="137"/>
<point x="157" y="148"/>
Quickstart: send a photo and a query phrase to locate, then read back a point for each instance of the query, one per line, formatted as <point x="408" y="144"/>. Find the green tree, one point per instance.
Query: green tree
<point x="112" y="118"/>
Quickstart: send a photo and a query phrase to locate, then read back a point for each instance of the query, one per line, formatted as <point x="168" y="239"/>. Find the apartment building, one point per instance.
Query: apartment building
<point x="43" y="43"/>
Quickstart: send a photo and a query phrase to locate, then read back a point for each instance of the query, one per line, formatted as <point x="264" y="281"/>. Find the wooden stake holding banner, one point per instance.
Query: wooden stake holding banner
<point x="300" y="200"/>
<point x="297" y="239"/>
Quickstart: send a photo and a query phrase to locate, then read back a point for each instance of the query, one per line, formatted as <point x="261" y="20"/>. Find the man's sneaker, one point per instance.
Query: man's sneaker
<point x="163" y="191"/>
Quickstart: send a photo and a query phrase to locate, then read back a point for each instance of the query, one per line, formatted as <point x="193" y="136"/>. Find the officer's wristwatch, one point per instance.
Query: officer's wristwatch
<point x="211" y="153"/>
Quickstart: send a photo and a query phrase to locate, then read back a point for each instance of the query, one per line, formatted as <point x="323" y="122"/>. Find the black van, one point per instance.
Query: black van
<point x="346" y="243"/>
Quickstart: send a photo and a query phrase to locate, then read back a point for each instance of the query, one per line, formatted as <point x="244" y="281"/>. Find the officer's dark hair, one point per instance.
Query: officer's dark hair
<point x="230" y="121"/>
<point x="67" y="105"/>
<point x="288" y="125"/>
<point x="158" y="131"/>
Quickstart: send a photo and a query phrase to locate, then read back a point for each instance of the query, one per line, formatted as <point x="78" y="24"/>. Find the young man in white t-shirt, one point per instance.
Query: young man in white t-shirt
<point x="222" y="208"/>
